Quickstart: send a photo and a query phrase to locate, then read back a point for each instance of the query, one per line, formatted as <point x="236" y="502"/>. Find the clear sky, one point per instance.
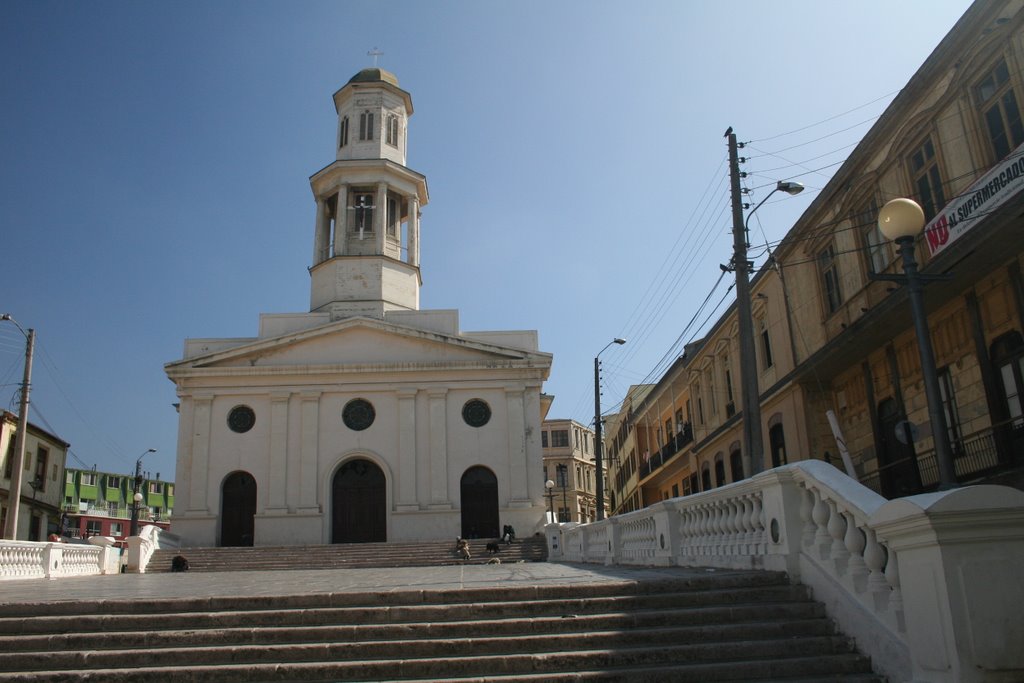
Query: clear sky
<point x="156" y="158"/>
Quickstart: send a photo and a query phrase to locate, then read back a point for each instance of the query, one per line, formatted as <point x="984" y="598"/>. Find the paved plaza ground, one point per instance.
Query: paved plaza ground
<point x="302" y="582"/>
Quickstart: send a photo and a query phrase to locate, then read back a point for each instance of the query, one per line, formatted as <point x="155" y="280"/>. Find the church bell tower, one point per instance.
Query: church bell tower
<point x="366" y="246"/>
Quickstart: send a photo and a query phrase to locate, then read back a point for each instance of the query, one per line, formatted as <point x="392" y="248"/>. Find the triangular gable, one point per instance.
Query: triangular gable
<point x="360" y="341"/>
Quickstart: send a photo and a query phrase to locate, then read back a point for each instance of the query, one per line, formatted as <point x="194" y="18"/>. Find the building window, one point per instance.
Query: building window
<point x="88" y="479"/>
<point x="563" y="514"/>
<point x="366" y="125"/>
<point x="363" y="206"/>
<point x="156" y="487"/>
<point x="777" y="445"/>
<point x="170" y="489"/>
<point x="1008" y="356"/>
<point x="392" y="130"/>
<point x="999" y="107"/>
<point x="93" y="527"/>
<point x="69" y="477"/>
<point x="9" y="465"/>
<point x="343" y="133"/>
<point x="766" y="346"/>
<point x="924" y="170"/>
<point x="700" y="409"/>
<point x="116" y="529"/>
<point x="949" y="407"/>
<point x="736" y="465"/>
<point x="705" y="478"/>
<point x="730" y="403"/>
<point x="559" y="438"/>
<point x="712" y="399"/>
<point x="112" y="508"/>
<point x="393" y="216"/>
<point x="241" y="419"/>
<point x="476" y="413"/>
<point x="544" y="443"/>
<point x="563" y="476"/>
<point x="113" y="482"/>
<point x="877" y="251"/>
<point x="719" y="471"/>
<point x="358" y="414"/>
<point x="830" y="278"/>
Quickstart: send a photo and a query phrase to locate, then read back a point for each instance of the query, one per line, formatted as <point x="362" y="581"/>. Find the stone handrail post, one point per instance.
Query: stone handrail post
<point x="961" y="554"/>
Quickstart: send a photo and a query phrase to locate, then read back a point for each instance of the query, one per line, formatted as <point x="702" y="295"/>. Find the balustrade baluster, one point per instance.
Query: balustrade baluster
<point x="820" y="515"/>
<point x="855" y="543"/>
<point x="837" y="530"/>
<point x="806" y="509"/>
<point x="892" y="577"/>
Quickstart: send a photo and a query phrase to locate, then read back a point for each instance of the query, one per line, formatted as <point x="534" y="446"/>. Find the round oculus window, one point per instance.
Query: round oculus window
<point x="241" y="419"/>
<point x="358" y="414"/>
<point x="476" y="413"/>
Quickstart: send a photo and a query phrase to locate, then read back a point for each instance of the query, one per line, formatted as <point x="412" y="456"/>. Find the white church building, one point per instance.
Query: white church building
<point x="365" y="419"/>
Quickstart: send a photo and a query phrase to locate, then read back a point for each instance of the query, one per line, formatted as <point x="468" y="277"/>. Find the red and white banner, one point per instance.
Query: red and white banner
<point x="1002" y="182"/>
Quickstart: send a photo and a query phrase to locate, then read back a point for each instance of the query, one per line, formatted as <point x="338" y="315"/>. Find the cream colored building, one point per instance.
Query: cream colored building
<point x="831" y="336"/>
<point x="42" y="481"/>
<point x="569" y="450"/>
<point x="365" y="419"/>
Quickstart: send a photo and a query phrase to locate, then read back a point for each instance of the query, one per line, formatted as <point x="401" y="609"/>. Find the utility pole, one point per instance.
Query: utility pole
<point x="17" y="467"/>
<point x="598" y="443"/>
<point x="753" y="456"/>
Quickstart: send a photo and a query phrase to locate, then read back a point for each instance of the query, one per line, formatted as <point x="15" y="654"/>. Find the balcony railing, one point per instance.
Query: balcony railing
<point x="974" y="456"/>
<point x="675" y="445"/>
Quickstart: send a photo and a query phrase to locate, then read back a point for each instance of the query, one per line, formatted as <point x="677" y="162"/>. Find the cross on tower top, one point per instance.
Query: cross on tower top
<point x="375" y="53"/>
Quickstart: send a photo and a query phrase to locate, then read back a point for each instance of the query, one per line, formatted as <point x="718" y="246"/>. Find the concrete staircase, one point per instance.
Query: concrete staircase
<point x="719" y="626"/>
<point x="345" y="555"/>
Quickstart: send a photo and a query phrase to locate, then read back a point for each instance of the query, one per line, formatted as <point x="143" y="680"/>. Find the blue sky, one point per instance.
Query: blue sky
<point x="157" y="155"/>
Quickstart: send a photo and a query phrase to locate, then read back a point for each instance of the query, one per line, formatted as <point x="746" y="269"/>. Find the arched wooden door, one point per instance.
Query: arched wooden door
<point x="479" y="496"/>
<point x="359" y="503"/>
<point x="238" y="510"/>
<point x="897" y="461"/>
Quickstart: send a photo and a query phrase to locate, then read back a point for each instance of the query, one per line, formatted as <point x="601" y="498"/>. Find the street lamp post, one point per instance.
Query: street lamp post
<point x="598" y="441"/>
<point x="14" y="493"/>
<point x="137" y="495"/>
<point x="550" y="486"/>
<point x="901" y="220"/>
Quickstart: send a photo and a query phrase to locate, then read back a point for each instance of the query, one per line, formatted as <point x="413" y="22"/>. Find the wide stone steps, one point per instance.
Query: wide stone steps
<point x="750" y="626"/>
<point x="346" y="555"/>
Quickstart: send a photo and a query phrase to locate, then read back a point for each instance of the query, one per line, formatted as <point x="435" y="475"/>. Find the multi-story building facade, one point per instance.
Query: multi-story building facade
<point x="100" y="503"/>
<point x="834" y="337"/>
<point x="39" y="511"/>
<point x="569" y="451"/>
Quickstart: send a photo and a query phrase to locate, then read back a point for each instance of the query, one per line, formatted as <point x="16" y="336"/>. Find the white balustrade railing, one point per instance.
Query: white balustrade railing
<point x="32" y="560"/>
<point x="141" y="547"/>
<point x="886" y="571"/>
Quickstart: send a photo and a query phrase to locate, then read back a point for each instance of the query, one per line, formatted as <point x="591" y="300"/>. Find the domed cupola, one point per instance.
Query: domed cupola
<point x="366" y="241"/>
<point x="373" y="113"/>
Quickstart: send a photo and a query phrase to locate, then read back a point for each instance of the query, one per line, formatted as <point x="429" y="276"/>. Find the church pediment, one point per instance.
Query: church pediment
<point x="362" y="342"/>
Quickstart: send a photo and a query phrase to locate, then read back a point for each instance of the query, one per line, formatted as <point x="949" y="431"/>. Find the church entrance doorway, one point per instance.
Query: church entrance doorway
<point x="359" y="503"/>
<point x="479" y="496"/>
<point x="238" y="510"/>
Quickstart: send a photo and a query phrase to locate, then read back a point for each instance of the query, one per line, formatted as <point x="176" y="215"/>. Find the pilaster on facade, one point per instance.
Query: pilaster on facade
<point x="202" y="415"/>
<point x="309" y="452"/>
<point x="438" y="402"/>
<point x="407" y="450"/>
<point x="278" y="462"/>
